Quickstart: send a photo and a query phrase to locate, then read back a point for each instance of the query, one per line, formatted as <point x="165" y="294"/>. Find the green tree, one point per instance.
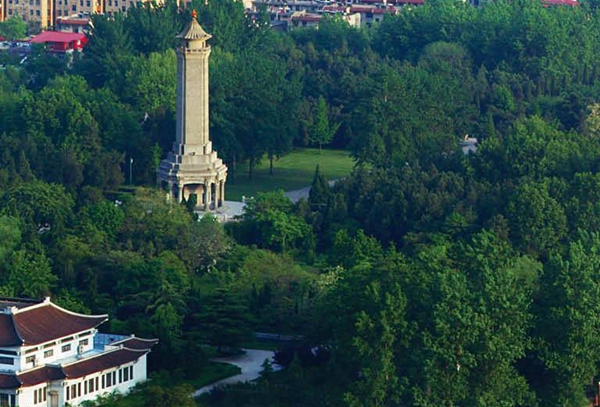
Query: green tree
<point x="10" y="237"/>
<point x="14" y="28"/>
<point x="322" y="131"/>
<point x="568" y="320"/>
<point x="223" y="319"/>
<point x="30" y="275"/>
<point x="319" y="193"/>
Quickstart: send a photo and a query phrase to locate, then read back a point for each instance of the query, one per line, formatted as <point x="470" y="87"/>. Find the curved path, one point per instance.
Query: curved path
<point x="250" y="362"/>
<point x="297" y="194"/>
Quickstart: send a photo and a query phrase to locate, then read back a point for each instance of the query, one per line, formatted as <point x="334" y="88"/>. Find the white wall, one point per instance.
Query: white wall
<point x="58" y="354"/>
<point x="139" y="375"/>
<point x="26" y="397"/>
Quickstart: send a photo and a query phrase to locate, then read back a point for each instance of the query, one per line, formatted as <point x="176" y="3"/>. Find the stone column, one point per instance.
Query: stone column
<point x="205" y="196"/>
<point x="217" y="194"/>
<point x="222" y="186"/>
<point x="180" y="197"/>
<point x="209" y="195"/>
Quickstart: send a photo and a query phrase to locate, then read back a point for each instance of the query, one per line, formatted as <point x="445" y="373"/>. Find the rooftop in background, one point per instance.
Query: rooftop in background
<point x="6" y="302"/>
<point x="570" y="3"/>
<point x="58" y="37"/>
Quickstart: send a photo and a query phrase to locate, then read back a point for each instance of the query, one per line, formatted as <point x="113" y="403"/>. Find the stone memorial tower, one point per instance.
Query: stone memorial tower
<point x="193" y="166"/>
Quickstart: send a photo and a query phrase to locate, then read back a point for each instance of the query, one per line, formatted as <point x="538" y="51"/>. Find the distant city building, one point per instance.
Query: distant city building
<point x="294" y="14"/>
<point x="50" y="356"/>
<point x="48" y="12"/>
<point x="73" y="24"/>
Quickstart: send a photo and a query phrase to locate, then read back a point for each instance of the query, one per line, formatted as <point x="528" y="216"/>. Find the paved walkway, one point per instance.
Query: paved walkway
<point x="250" y="363"/>
<point x="298" y="194"/>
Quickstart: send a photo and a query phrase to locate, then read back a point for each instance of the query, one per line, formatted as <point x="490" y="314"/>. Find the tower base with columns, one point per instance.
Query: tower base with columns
<point x="204" y="175"/>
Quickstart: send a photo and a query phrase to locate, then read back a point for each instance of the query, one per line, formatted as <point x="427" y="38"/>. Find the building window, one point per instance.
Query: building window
<point x="10" y="12"/>
<point x="84" y="342"/>
<point x="126" y="374"/>
<point x="37" y="13"/>
<point x="60" y="14"/>
<point x="67" y="393"/>
<point x="88" y="3"/>
<point x="74" y="7"/>
<point x="39" y="395"/>
<point x="65" y="348"/>
<point x="7" y="361"/>
<point x="30" y="359"/>
<point x="48" y="353"/>
<point x="131" y="372"/>
<point x="30" y="12"/>
<point x="120" y="375"/>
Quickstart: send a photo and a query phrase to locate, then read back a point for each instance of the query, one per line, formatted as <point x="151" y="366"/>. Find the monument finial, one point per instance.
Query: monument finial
<point x="194" y="14"/>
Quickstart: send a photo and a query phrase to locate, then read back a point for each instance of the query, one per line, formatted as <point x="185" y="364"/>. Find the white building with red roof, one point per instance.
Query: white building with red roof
<point x="50" y="356"/>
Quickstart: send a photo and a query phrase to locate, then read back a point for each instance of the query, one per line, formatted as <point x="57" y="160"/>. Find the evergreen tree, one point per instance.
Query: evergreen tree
<point x="319" y="193"/>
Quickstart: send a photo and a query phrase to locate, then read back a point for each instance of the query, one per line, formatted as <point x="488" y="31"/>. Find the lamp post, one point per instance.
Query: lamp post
<point x="130" y="170"/>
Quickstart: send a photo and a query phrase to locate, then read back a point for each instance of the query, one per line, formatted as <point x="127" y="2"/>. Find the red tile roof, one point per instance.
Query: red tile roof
<point x="9" y="381"/>
<point x="8" y="335"/>
<point x="40" y="375"/>
<point x="79" y="368"/>
<point x="43" y="322"/>
<point x="136" y="343"/>
<point x="571" y="3"/>
<point x="407" y="1"/>
<point x="56" y="36"/>
<point x="67" y="21"/>
<point x="362" y="9"/>
<point x="48" y="322"/>
<point x="102" y="362"/>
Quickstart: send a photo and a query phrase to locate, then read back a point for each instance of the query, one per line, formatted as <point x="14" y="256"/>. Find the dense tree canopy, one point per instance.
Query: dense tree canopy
<point x="427" y="277"/>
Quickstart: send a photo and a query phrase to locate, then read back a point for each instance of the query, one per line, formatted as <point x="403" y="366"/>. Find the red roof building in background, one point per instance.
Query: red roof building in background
<point x="61" y="42"/>
<point x="54" y="356"/>
<point x="570" y="3"/>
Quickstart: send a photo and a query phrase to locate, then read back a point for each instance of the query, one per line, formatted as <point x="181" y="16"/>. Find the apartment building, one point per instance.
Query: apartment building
<point x="46" y="12"/>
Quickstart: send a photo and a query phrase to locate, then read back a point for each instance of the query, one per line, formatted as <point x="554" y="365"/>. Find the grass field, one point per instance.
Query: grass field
<point x="293" y="171"/>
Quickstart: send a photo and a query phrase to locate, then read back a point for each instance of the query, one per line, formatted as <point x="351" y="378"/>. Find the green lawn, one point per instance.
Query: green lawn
<point x="293" y="171"/>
